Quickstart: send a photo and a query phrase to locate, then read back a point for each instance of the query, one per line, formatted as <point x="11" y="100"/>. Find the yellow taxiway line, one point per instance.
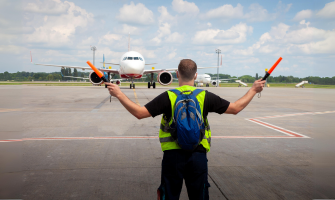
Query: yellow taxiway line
<point x="136" y="100"/>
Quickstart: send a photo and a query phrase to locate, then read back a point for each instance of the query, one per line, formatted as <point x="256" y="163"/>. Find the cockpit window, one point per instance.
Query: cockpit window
<point x="125" y="58"/>
<point x="140" y="58"/>
<point x="135" y="58"/>
<point x="130" y="58"/>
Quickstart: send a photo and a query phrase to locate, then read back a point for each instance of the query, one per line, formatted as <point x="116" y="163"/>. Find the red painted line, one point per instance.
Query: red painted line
<point x="276" y="128"/>
<point x="252" y="136"/>
<point x="11" y="140"/>
<point x="295" y="114"/>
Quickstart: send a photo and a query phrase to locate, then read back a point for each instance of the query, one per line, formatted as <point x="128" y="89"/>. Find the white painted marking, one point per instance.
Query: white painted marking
<point x="289" y="134"/>
<point x="283" y="130"/>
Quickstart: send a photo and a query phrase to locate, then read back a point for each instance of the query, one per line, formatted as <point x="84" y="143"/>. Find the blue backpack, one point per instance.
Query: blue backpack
<point x="188" y="127"/>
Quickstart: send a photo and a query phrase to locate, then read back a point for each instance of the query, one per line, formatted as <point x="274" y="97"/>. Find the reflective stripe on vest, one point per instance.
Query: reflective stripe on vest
<point x="165" y="138"/>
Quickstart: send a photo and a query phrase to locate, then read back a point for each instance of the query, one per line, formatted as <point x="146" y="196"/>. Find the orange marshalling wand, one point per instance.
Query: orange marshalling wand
<point x="267" y="74"/>
<point x="99" y="73"/>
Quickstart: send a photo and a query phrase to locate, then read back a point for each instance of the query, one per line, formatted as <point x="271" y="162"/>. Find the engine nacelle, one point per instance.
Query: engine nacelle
<point x="214" y="83"/>
<point x="165" y="78"/>
<point x="117" y="82"/>
<point x="95" y="79"/>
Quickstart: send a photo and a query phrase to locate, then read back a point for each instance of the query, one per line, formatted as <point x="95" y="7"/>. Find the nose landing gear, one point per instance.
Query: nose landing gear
<point x="132" y="85"/>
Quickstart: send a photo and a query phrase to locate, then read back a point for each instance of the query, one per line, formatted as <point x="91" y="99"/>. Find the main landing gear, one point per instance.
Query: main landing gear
<point x="153" y="84"/>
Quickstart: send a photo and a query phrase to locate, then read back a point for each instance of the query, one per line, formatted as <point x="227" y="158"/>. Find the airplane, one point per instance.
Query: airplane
<point x="301" y="84"/>
<point x="206" y="79"/>
<point x="240" y="83"/>
<point x="131" y="67"/>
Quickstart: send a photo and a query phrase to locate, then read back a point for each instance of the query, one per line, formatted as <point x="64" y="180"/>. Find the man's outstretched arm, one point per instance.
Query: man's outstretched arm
<point x="240" y="104"/>
<point x="136" y="110"/>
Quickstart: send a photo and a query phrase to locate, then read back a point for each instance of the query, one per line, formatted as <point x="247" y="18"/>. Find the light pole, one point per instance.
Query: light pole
<point x="218" y="51"/>
<point x="93" y="49"/>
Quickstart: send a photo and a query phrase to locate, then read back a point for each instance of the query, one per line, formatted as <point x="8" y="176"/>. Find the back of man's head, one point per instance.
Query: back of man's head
<point x="187" y="69"/>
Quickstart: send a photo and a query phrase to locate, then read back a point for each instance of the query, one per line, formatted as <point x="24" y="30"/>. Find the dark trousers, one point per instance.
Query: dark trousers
<point x="178" y="165"/>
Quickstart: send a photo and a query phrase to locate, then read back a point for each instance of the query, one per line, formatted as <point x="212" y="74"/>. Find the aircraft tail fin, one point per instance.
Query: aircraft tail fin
<point x="104" y="60"/>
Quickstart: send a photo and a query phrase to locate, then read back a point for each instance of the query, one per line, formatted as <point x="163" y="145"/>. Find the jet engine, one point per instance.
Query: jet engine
<point x="94" y="79"/>
<point x="117" y="82"/>
<point x="165" y="78"/>
<point x="214" y="83"/>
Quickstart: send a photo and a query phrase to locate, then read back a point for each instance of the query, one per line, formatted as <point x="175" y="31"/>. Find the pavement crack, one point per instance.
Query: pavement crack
<point x="217" y="186"/>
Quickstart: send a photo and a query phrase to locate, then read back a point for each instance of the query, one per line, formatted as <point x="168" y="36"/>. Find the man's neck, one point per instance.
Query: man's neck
<point x="190" y="83"/>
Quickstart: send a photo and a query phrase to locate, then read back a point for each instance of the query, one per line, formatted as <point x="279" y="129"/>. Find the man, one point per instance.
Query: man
<point x="178" y="164"/>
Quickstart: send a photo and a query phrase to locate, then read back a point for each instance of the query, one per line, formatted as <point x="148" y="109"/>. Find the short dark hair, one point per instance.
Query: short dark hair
<point x="187" y="69"/>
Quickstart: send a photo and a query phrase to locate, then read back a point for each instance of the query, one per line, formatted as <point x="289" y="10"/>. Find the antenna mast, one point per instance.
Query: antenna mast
<point x="129" y="41"/>
<point x="93" y="49"/>
<point x="218" y="51"/>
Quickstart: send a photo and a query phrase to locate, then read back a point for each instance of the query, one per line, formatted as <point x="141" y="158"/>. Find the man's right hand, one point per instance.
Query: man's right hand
<point x="113" y="89"/>
<point x="258" y="85"/>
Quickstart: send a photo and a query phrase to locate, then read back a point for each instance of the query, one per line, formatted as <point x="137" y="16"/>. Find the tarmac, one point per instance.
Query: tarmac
<point x="59" y="142"/>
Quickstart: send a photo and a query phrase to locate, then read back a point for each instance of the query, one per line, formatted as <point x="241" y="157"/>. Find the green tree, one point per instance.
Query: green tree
<point x="75" y="72"/>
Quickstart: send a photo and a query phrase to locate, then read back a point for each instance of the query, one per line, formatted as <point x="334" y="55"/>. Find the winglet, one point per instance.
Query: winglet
<point x="31" y="58"/>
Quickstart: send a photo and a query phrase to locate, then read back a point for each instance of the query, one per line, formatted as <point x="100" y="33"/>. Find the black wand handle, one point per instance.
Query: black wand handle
<point x="266" y="76"/>
<point x="105" y="80"/>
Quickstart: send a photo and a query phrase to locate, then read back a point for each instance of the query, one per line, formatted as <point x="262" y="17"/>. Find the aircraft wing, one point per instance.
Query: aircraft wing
<point x="111" y="63"/>
<point x="227" y="79"/>
<point x="113" y="71"/>
<point x="77" y="77"/>
<point x="172" y="69"/>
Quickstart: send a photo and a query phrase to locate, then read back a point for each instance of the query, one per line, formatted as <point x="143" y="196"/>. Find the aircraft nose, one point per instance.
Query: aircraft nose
<point x="133" y="68"/>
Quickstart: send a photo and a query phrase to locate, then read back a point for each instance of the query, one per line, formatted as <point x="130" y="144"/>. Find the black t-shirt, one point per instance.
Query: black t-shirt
<point x="162" y="105"/>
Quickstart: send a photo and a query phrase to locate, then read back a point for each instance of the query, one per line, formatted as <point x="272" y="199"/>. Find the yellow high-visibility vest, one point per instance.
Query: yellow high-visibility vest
<point x="165" y="138"/>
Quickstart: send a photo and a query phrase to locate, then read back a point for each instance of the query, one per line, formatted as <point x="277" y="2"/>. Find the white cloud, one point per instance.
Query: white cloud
<point x="165" y="15"/>
<point x="163" y="30"/>
<point x="146" y="53"/>
<point x="172" y="54"/>
<point x="58" y="30"/>
<point x="53" y="7"/>
<point x="226" y="11"/>
<point x="164" y="35"/>
<point x="110" y="39"/>
<point x="136" y="14"/>
<point x="126" y="29"/>
<point x="328" y="11"/>
<point x="186" y="7"/>
<point x="304" y="14"/>
<point x="234" y="35"/>
<point x="174" y="38"/>
<point x="258" y="13"/>
<point x="306" y="39"/>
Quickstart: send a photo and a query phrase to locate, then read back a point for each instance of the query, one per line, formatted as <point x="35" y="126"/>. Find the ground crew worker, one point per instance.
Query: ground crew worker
<point x="178" y="164"/>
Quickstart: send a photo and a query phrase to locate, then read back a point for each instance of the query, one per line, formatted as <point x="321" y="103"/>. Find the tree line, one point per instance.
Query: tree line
<point x="56" y="76"/>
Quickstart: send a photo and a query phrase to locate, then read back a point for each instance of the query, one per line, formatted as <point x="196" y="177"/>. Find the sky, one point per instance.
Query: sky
<point x="251" y="35"/>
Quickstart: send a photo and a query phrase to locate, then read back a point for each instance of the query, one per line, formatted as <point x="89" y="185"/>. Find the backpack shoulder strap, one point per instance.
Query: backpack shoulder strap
<point x="197" y="91"/>
<point x="177" y="92"/>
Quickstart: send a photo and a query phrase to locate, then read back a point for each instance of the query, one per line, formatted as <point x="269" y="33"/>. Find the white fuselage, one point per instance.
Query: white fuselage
<point x="203" y="78"/>
<point x="131" y="65"/>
